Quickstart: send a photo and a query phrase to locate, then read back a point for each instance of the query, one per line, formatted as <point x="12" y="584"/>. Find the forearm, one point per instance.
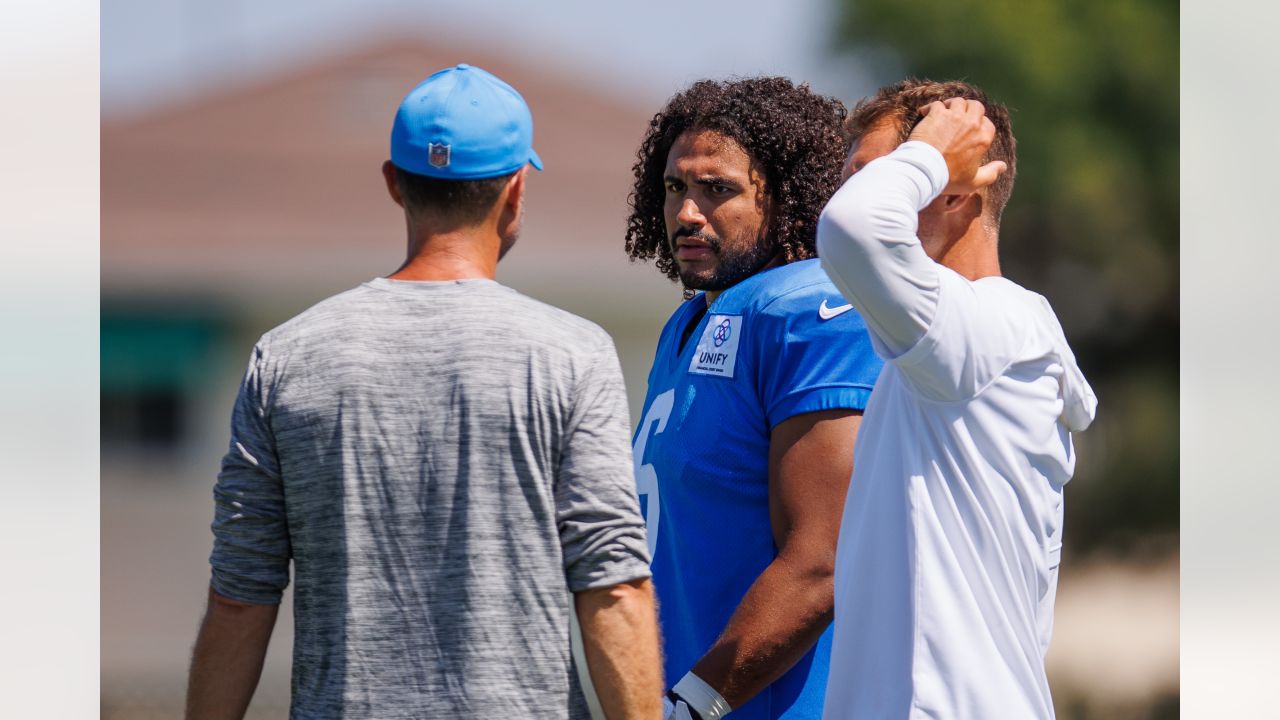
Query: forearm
<point x="868" y="244"/>
<point x="228" y="657"/>
<point x="779" y="619"/>
<point x="620" y="638"/>
<point x="790" y="603"/>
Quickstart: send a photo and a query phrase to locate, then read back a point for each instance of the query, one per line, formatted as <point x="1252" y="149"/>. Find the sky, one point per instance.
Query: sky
<point x="157" y="52"/>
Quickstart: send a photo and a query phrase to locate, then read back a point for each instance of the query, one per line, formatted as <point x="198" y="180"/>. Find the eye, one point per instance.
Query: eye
<point x="674" y="186"/>
<point x="718" y="189"/>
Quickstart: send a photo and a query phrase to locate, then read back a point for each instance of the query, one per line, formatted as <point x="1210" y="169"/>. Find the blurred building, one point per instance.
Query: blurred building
<point x="224" y="217"/>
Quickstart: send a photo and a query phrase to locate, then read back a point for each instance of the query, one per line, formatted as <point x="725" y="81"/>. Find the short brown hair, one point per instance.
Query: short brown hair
<point x="901" y="103"/>
<point x="464" y="202"/>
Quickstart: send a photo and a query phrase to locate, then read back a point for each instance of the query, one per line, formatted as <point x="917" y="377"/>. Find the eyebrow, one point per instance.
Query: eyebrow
<point x="704" y="180"/>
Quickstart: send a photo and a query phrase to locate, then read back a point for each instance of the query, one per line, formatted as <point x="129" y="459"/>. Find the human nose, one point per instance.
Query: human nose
<point x="690" y="214"/>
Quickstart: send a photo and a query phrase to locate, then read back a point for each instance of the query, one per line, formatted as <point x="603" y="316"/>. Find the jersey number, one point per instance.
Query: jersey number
<point x="646" y="475"/>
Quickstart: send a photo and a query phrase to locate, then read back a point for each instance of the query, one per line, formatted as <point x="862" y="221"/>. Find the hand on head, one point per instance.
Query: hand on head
<point x="962" y="132"/>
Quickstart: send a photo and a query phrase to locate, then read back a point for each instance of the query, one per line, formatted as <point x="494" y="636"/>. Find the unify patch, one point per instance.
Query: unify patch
<point x="717" y="351"/>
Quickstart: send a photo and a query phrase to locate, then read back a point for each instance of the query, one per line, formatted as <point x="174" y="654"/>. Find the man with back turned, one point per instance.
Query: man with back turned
<point x="444" y="461"/>
<point x="947" y="564"/>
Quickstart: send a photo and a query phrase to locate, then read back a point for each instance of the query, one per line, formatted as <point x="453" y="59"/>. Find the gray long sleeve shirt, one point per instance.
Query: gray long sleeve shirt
<point x="443" y="462"/>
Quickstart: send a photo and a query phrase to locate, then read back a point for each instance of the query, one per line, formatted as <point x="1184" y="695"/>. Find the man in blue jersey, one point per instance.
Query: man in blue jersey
<point x="757" y="388"/>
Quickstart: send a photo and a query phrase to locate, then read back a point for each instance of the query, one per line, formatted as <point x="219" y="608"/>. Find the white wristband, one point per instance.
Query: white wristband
<point x="701" y="697"/>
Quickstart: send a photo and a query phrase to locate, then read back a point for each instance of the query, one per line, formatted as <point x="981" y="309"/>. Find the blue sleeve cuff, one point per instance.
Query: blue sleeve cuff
<point x="807" y="400"/>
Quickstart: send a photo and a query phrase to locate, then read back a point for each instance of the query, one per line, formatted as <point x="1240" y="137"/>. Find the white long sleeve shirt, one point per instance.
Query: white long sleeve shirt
<point x="947" y="564"/>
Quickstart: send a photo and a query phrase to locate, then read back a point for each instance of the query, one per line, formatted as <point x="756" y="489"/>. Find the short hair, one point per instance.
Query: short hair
<point x="793" y="135"/>
<point x="464" y="202"/>
<point x="901" y="103"/>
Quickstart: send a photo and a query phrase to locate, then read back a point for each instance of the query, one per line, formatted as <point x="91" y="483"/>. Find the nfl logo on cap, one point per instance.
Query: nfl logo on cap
<point x="463" y="123"/>
<point x="438" y="155"/>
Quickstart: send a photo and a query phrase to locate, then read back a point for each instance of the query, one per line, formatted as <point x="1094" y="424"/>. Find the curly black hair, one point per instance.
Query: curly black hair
<point x="794" y="135"/>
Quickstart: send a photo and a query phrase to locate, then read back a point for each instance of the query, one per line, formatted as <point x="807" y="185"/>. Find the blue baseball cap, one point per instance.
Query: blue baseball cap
<point x="463" y="123"/>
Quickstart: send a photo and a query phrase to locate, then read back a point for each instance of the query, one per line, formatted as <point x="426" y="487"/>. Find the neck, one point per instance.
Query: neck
<point x="774" y="261"/>
<point x="458" y="254"/>
<point x="974" y="254"/>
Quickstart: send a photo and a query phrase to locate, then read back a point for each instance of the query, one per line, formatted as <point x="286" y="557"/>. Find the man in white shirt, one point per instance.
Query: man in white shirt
<point x="947" y="564"/>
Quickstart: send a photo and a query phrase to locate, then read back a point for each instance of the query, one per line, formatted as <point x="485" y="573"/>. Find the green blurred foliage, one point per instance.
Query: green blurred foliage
<point x="1092" y="87"/>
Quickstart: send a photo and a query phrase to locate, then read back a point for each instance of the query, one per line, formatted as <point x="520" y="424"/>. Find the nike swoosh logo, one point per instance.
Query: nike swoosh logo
<point x="826" y="313"/>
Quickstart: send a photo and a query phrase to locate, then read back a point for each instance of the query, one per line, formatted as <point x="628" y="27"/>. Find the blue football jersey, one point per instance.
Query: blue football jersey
<point x="778" y="344"/>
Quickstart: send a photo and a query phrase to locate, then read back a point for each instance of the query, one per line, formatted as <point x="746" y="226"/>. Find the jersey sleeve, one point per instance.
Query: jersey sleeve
<point x="948" y="335"/>
<point x="804" y="363"/>
<point x="251" y="548"/>
<point x="602" y="532"/>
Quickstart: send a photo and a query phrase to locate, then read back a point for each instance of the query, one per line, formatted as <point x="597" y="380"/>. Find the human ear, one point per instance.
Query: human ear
<point x="389" y="176"/>
<point x="515" y="192"/>
<point x="512" y="204"/>
<point x="952" y="203"/>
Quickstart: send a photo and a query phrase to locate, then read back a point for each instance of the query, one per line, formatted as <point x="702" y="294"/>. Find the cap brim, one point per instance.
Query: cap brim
<point x="534" y="160"/>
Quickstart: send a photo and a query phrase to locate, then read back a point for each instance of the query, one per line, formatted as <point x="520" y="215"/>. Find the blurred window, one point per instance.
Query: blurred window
<point x="152" y="364"/>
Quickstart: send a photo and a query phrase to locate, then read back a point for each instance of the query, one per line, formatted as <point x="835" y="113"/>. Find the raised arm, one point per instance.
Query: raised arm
<point x="868" y="245"/>
<point x="867" y="235"/>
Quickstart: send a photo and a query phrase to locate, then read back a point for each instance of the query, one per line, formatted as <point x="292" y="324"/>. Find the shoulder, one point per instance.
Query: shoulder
<point x="1026" y="314"/>
<point x="325" y="316"/>
<point x="777" y="289"/>
<point x="800" y="294"/>
<point x="1001" y="302"/>
<point x="555" y="325"/>
<point x="1020" y="300"/>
